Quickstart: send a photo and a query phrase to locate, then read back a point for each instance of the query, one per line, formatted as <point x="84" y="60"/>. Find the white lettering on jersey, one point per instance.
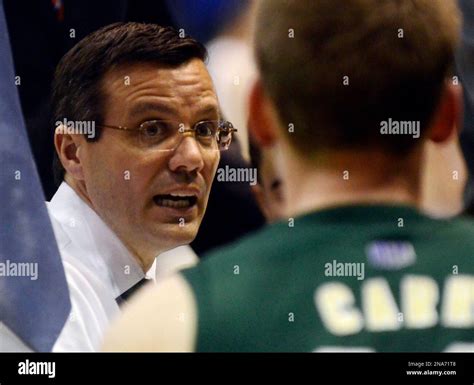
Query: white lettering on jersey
<point x="380" y="308"/>
<point x="419" y="300"/>
<point x="335" y="303"/>
<point x="419" y="297"/>
<point x="458" y="302"/>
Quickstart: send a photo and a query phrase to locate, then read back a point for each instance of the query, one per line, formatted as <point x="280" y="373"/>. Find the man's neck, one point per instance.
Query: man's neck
<point x="349" y="179"/>
<point x="81" y="190"/>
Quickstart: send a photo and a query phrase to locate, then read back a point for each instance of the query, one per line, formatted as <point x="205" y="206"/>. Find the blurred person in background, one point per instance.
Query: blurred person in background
<point x="233" y="69"/>
<point x="465" y="67"/>
<point x="225" y="28"/>
<point x="447" y="177"/>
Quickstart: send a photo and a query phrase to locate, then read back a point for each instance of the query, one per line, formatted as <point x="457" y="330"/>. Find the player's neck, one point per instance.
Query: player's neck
<point x="350" y="178"/>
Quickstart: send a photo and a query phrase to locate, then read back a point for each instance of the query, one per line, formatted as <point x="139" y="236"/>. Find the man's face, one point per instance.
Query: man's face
<point x="135" y="190"/>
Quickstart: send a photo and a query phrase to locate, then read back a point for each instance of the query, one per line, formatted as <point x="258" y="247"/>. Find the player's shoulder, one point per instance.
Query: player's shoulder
<point x="253" y="247"/>
<point x="230" y="257"/>
<point x="462" y="221"/>
<point x="459" y="226"/>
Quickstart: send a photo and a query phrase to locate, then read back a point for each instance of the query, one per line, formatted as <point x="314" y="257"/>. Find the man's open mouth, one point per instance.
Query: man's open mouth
<point x="175" y="201"/>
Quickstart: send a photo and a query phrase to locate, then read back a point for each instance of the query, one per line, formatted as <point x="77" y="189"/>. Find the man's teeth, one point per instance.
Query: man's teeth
<point x="174" y="204"/>
<point x="176" y="201"/>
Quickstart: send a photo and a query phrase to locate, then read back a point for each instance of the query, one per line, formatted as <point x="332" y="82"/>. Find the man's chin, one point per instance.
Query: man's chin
<point x="173" y="235"/>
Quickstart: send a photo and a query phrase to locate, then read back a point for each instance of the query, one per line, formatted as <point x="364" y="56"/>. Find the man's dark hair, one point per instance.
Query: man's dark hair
<point x="336" y="69"/>
<point x="77" y="87"/>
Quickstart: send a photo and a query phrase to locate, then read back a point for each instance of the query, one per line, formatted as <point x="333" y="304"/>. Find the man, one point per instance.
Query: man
<point x="355" y="266"/>
<point x="138" y="135"/>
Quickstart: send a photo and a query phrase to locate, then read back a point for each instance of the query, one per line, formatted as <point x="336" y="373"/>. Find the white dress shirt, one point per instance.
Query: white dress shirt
<point x="99" y="268"/>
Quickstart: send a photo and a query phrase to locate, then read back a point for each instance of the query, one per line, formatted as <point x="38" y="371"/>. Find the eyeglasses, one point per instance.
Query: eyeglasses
<point x="166" y="135"/>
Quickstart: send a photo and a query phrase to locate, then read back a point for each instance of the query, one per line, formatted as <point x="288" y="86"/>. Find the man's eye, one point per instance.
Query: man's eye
<point x="205" y="129"/>
<point x="153" y="129"/>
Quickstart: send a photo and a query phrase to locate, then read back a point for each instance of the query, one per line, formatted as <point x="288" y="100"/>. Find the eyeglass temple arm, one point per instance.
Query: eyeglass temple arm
<point x="117" y="127"/>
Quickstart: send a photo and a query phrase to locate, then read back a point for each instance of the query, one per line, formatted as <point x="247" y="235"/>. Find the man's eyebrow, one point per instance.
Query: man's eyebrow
<point x="163" y="108"/>
<point x="211" y="109"/>
<point x="151" y="107"/>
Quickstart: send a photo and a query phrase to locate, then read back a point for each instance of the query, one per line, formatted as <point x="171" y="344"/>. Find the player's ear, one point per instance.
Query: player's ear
<point x="68" y="148"/>
<point x="262" y="118"/>
<point x="259" y="196"/>
<point x="447" y="118"/>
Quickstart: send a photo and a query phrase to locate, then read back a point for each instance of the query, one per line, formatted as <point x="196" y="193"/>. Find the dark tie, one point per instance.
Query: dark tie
<point x="129" y="293"/>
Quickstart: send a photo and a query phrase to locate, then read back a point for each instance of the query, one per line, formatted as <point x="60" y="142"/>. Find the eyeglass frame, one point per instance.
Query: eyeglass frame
<point x="230" y="129"/>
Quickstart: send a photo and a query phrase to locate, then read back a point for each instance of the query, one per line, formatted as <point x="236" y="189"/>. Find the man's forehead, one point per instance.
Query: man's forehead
<point x="134" y="75"/>
<point x="167" y="107"/>
<point x="144" y="86"/>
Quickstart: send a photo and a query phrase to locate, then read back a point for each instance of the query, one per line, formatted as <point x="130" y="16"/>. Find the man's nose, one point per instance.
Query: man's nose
<point x="188" y="156"/>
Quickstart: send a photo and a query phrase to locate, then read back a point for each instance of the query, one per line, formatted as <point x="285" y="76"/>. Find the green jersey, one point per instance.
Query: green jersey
<point x="352" y="278"/>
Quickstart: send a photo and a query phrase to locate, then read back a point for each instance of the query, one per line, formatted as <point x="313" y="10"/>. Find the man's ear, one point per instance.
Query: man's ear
<point x="262" y="118"/>
<point x="68" y="149"/>
<point x="448" y="115"/>
<point x="259" y="196"/>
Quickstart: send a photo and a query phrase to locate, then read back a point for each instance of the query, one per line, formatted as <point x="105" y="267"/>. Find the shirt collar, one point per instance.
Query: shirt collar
<point x="97" y="239"/>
